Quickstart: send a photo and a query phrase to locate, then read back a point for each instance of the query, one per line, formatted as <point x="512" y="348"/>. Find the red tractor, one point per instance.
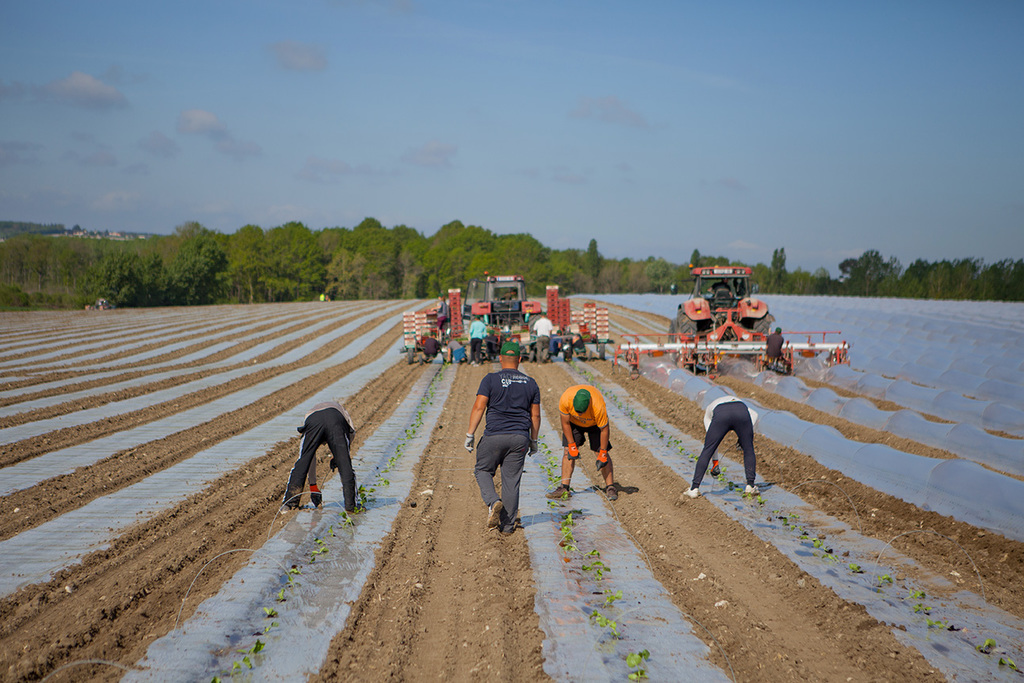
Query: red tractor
<point x="721" y="308"/>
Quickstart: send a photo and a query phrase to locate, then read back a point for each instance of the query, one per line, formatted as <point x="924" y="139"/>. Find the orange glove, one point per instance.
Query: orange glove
<point x="574" y="452"/>
<point x="602" y="459"/>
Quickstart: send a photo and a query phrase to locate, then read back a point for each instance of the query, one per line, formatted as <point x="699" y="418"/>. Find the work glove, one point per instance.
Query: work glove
<point x="333" y="465"/>
<point x="470" y="439"/>
<point x="602" y="459"/>
<point x="315" y="496"/>
<point x="574" y="452"/>
<point x="533" y="447"/>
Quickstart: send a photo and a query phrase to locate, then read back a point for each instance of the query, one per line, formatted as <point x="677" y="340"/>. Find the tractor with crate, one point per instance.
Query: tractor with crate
<point x="501" y="302"/>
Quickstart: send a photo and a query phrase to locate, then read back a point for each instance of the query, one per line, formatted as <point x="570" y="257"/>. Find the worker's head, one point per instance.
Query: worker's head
<point x="778" y="330"/>
<point x="509" y="356"/>
<point x="581" y="401"/>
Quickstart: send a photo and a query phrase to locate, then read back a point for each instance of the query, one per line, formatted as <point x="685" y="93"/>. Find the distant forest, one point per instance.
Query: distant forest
<point x="196" y="265"/>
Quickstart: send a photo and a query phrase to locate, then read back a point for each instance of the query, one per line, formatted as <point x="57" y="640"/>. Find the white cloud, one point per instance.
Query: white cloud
<point x="608" y="110"/>
<point x="239" y="149"/>
<point x="18" y="153"/>
<point x="81" y="89"/>
<point x="158" y="144"/>
<point x="200" y="122"/>
<point x="434" y="154"/>
<point x="299" y="56"/>
<point x="320" y="170"/>
<point x="118" y="200"/>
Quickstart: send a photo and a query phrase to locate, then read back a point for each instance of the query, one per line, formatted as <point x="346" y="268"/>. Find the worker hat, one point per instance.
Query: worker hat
<point x="581" y="401"/>
<point x="510" y="348"/>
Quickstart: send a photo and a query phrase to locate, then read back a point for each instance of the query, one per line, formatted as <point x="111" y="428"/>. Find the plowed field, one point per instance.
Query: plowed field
<point x="144" y="455"/>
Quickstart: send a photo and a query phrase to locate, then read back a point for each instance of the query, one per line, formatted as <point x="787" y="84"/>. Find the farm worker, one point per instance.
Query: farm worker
<point x="511" y="400"/>
<point x="583" y="414"/>
<point x="724" y="415"/>
<point x="477" y="332"/>
<point x="431" y="347"/>
<point x="329" y="423"/>
<point x="773" y="345"/>
<point x="443" y="311"/>
<point x="543" y="328"/>
<point x="454" y="352"/>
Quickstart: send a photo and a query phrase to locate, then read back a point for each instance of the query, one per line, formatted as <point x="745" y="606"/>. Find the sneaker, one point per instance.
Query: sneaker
<point x="611" y="492"/>
<point x="692" y="493"/>
<point x="494" y="514"/>
<point x="715" y="471"/>
<point x="750" y="489"/>
<point x="562" y="491"/>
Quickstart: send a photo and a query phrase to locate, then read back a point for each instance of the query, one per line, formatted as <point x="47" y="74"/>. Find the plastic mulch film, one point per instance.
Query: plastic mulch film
<point x="929" y="483"/>
<point x="34" y="555"/>
<point x="309" y="573"/>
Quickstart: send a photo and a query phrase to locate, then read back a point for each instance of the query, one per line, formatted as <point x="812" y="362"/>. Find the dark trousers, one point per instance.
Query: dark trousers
<point x="474" y="349"/>
<point x="728" y="417"/>
<point x="507" y="451"/>
<point x="324" y="426"/>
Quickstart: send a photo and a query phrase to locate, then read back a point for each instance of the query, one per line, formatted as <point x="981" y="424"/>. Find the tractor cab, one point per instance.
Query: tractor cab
<point x="501" y="298"/>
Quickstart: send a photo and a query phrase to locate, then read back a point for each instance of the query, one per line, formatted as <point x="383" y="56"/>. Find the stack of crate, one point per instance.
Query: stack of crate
<point x="558" y="309"/>
<point x="414" y="323"/>
<point x="593" y="320"/>
<point x="455" y="317"/>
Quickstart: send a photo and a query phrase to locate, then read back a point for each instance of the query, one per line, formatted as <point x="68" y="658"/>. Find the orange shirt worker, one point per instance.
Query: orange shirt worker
<point x="583" y="414"/>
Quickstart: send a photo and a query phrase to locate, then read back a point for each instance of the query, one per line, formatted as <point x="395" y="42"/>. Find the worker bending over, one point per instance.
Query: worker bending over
<point x="583" y="414"/>
<point x="329" y="423"/>
<point x="724" y="415"/>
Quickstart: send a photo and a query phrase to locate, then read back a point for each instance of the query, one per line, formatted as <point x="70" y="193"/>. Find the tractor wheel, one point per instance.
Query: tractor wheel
<point x="764" y="325"/>
<point x="410" y="356"/>
<point x="600" y="351"/>
<point x="686" y="326"/>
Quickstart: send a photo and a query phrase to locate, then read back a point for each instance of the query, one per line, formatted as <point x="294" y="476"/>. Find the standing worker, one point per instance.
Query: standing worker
<point x="724" y="415"/>
<point x="543" y="329"/>
<point x="329" y="423"/>
<point x="511" y="400"/>
<point x="477" y="332"/>
<point x="583" y="414"/>
<point x="443" y="313"/>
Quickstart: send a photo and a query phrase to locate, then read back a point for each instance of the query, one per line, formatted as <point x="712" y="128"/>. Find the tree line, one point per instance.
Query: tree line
<point x="291" y="262"/>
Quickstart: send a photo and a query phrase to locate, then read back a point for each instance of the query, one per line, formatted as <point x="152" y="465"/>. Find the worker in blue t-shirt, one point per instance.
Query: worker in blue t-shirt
<point x="477" y="332"/>
<point x="511" y="400"/>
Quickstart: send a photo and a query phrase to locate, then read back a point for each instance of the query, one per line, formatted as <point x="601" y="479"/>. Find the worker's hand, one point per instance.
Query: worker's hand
<point x="470" y="439"/>
<point x="574" y="452"/>
<point x="533" y="447"/>
<point x="315" y="496"/>
<point x="602" y="459"/>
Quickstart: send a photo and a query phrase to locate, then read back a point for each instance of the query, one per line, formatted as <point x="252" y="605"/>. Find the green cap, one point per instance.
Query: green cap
<point x="510" y="348"/>
<point x="778" y="329"/>
<point x="581" y="401"/>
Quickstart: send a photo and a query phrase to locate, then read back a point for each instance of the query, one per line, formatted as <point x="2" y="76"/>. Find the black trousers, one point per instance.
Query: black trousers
<point x="474" y="349"/>
<point x="728" y="417"/>
<point x="324" y="426"/>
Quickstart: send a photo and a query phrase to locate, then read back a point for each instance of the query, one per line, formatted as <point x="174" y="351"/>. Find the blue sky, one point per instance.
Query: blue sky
<point x="654" y="127"/>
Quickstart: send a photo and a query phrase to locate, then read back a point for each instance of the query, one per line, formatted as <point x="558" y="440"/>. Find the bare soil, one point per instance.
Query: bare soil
<point x="449" y="599"/>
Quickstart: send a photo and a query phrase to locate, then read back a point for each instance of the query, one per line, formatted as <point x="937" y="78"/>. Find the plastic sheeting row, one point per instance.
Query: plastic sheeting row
<point x="949" y="487"/>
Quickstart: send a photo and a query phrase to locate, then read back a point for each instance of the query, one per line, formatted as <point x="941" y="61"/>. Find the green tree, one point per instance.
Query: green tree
<point x="196" y="275"/>
<point x="247" y="262"/>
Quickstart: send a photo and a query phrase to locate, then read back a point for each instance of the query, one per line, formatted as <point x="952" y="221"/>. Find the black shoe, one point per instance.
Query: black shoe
<point x="715" y="471"/>
<point x="561" y="492"/>
<point x="611" y="492"/>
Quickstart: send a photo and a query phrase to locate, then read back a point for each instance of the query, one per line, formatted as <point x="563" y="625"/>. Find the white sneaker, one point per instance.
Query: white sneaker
<point x="692" y="493"/>
<point x="750" y="489"/>
<point x="494" y="515"/>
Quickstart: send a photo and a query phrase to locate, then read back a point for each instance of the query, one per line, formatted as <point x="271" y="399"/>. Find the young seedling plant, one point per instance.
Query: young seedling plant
<point x="635" y="661"/>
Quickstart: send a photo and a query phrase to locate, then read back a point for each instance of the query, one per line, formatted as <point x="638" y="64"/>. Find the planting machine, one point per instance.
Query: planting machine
<point x="500" y="300"/>
<point x="721" y="319"/>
